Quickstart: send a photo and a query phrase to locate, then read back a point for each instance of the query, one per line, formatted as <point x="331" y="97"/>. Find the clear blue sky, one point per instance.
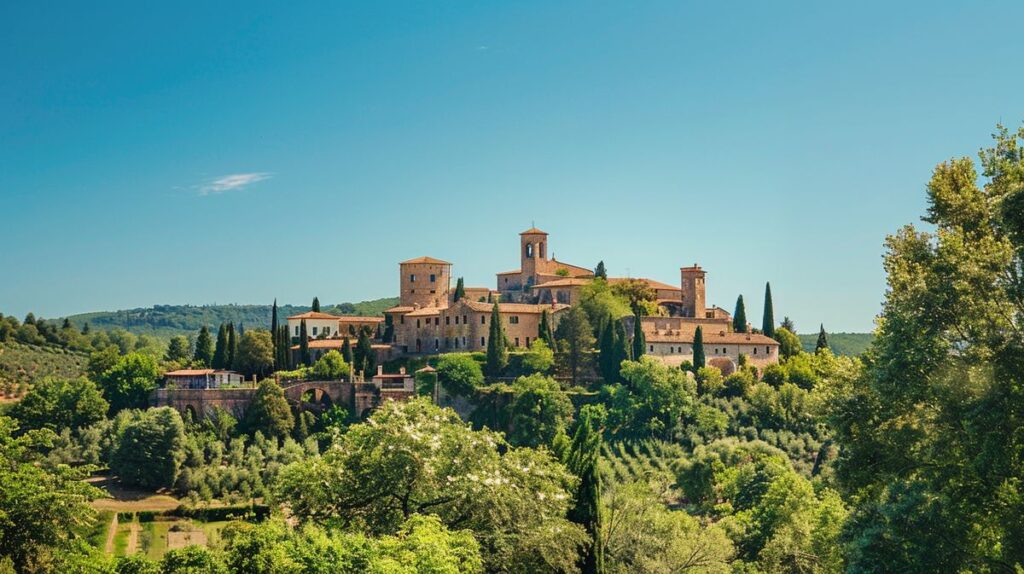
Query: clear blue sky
<point x="195" y="153"/>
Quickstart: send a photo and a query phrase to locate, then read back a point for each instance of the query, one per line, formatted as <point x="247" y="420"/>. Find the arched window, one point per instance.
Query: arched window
<point x="543" y="251"/>
<point x="529" y="250"/>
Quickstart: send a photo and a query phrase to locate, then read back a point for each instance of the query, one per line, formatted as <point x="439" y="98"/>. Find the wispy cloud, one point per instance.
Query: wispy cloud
<point x="232" y="182"/>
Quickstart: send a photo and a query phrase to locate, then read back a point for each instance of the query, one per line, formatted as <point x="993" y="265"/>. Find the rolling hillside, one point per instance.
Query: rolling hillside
<point x="841" y="343"/>
<point x="23" y="365"/>
<point x="165" y="321"/>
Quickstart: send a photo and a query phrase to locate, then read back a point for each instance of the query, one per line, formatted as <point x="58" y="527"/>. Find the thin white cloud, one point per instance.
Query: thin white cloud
<point x="232" y="182"/>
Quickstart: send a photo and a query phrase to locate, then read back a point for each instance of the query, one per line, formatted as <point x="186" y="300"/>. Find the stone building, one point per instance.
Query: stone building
<point x="327" y="326"/>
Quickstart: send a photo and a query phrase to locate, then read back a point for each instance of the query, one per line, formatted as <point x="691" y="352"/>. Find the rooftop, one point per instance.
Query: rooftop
<point x="312" y="315"/>
<point x="533" y="231"/>
<point x="425" y="259"/>
<point x="194" y="372"/>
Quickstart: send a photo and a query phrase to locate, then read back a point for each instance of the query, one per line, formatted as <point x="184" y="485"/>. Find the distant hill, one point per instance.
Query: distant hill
<point x="166" y="321"/>
<point x="840" y="343"/>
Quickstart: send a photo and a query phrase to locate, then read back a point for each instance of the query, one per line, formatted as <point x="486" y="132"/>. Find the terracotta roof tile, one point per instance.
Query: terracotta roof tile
<point x="400" y="309"/>
<point x="513" y="307"/>
<point x="425" y="259"/>
<point x="312" y="315"/>
<point x="534" y="231"/>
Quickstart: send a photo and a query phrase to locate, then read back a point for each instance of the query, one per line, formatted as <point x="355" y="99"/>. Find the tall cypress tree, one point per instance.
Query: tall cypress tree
<point x="284" y="351"/>
<point x="275" y="333"/>
<point x="822" y="340"/>
<point x="621" y="349"/>
<point x="460" y="290"/>
<point x="606" y="359"/>
<point x="544" y="331"/>
<point x="303" y="345"/>
<point x="232" y="350"/>
<point x="739" y="318"/>
<point x="497" y="352"/>
<point x="699" y="359"/>
<point x="364" y="352"/>
<point x="346" y="351"/>
<point x="316" y="304"/>
<point x="768" y="322"/>
<point x="586" y="511"/>
<point x="204" y="348"/>
<point x="600" y="272"/>
<point x="639" y="341"/>
<point x="220" y="351"/>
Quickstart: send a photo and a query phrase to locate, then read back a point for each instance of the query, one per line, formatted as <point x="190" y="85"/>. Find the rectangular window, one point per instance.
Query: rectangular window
<point x="314" y="331"/>
<point x="447" y="320"/>
<point x="465" y="320"/>
<point x="456" y="319"/>
<point x="767" y="350"/>
<point x="483" y="342"/>
<point x="433" y="278"/>
<point x="514" y="320"/>
<point x="412" y="278"/>
<point x="463" y="341"/>
<point x="296" y="330"/>
<point x="401" y="320"/>
<point x="517" y="341"/>
<point x="652" y="348"/>
<point x="755" y="350"/>
<point x="527" y="341"/>
<point x="483" y="319"/>
<point x="417" y="323"/>
<point x="437" y="321"/>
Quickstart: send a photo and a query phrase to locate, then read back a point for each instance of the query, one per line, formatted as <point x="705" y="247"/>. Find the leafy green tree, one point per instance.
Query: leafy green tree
<point x="316" y="305"/>
<point x="42" y="511"/>
<point x="220" y="352"/>
<point x="575" y="343"/>
<point x="699" y="359"/>
<point x="652" y="402"/>
<point x="459" y="373"/>
<point x="269" y="412"/>
<point x="255" y="353"/>
<point x="330" y="367"/>
<point x="768" y="321"/>
<point x="822" y="339"/>
<point x="739" y="317"/>
<point x="129" y="382"/>
<point x="204" y="348"/>
<point x="614" y="349"/>
<point x="414" y="458"/>
<point x="59" y="404"/>
<point x="927" y="432"/>
<point x="600" y="272"/>
<point x="638" y="294"/>
<point x="178" y="350"/>
<point x="598" y="300"/>
<point x="639" y="340"/>
<point x="539" y="409"/>
<point x="584" y="458"/>
<point x="539" y="358"/>
<point x="789" y="343"/>
<point x="150" y="449"/>
<point x="304" y="357"/>
<point x="497" y="348"/>
<point x="460" y="291"/>
<point x="788" y="324"/>
<point x="191" y="560"/>
<point x="102" y="361"/>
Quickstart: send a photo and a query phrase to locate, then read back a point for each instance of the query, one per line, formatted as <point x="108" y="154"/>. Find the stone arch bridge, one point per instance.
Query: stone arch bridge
<point x="358" y="398"/>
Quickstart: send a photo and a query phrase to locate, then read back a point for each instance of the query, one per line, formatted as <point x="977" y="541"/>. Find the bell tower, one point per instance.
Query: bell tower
<point x="533" y="253"/>
<point x="693" y="291"/>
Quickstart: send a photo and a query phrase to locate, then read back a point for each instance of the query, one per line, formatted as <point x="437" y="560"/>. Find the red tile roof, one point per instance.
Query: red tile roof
<point x="533" y="231"/>
<point x="513" y="307"/>
<point x="312" y="315"/>
<point x="425" y="259"/>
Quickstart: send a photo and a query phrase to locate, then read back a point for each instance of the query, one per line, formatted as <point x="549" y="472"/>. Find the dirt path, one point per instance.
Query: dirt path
<point x="133" y="538"/>
<point x="111" y="533"/>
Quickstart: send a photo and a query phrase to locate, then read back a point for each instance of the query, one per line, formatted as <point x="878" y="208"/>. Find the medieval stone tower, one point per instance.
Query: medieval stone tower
<point x="533" y="245"/>
<point x="693" y="291"/>
<point x="425" y="282"/>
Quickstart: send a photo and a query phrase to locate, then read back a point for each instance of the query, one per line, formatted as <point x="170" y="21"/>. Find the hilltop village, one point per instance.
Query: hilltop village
<point x="432" y="317"/>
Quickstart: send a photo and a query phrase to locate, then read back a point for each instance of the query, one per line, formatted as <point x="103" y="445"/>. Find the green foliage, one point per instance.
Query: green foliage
<point x="598" y="301"/>
<point x="365" y="360"/>
<point x="255" y="354"/>
<point x="497" y="347"/>
<point x="460" y="374"/>
<point x="539" y="410"/>
<point x="539" y="358"/>
<point x="179" y="350"/>
<point x="460" y="291"/>
<point x="128" y="383"/>
<point x="768" y="320"/>
<point x="575" y="339"/>
<point x="699" y="358"/>
<point x="204" y="351"/>
<point x="852" y="344"/>
<point x="58" y="404"/>
<point x="600" y="272"/>
<point x="583" y="458"/>
<point x="415" y="458"/>
<point x="651" y="403"/>
<point x="315" y="307"/>
<point x="191" y="560"/>
<point x="43" y="511"/>
<point x="330" y="367"/>
<point x="22" y="366"/>
<point x="545" y="332"/>
<point x="822" y="342"/>
<point x="269" y="412"/>
<point x="789" y="344"/>
<point x="304" y="357"/>
<point x="220" y="352"/>
<point x="150" y="449"/>
<point x="739" y="316"/>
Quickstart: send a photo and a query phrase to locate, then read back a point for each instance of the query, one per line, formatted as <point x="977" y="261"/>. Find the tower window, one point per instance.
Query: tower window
<point x="529" y="250"/>
<point x="412" y="278"/>
<point x="433" y="278"/>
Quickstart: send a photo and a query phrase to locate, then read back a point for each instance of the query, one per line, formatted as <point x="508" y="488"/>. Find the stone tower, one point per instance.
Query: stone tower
<point x="425" y="282"/>
<point x="533" y="252"/>
<point x="693" y="291"/>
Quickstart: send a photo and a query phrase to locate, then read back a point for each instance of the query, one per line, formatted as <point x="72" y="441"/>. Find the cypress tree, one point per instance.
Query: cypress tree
<point x="364" y="352"/>
<point x="346" y="351"/>
<point x="600" y="272"/>
<point x="232" y="350"/>
<point x="303" y="344"/>
<point x="204" y="347"/>
<point x="639" y="341"/>
<point x="220" y="351"/>
<point x="284" y="350"/>
<point x="460" y="290"/>
<point x="497" y="352"/>
<point x="316" y="304"/>
<point x="275" y="334"/>
<point x="621" y="349"/>
<point x="768" y="322"/>
<point x="822" y="340"/>
<point x="583" y="462"/>
<point x="788" y="325"/>
<point x="699" y="359"/>
<point x="85" y="329"/>
<point x="544" y="331"/>
<point x="606" y="359"/>
<point x="739" y="318"/>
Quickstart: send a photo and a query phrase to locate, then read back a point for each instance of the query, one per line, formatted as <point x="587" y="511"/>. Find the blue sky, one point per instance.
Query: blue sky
<point x="200" y="153"/>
